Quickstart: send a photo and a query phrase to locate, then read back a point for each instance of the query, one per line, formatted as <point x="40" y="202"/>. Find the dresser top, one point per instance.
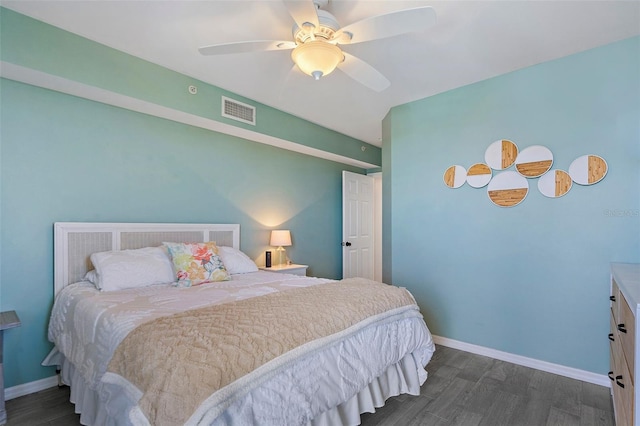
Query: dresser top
<point x="627" y="276"/>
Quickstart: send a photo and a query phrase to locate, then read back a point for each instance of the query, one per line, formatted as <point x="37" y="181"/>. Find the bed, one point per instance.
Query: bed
<point x="254" y="348"/>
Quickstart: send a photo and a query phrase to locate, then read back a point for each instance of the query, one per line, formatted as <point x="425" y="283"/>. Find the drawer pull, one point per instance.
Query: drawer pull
<point x="612" y="298"/>
<point x="611" y="337"/>
<point x="610" y="374"/>
<point x="618" y="382"/>
<point x="622" y="328"/>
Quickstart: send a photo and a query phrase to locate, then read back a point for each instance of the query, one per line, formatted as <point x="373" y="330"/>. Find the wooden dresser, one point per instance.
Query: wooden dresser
<point x="624" y="341"/>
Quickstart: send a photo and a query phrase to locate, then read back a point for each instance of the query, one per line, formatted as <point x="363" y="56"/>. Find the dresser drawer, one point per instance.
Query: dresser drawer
<point x="622" y="396"/>
<point x="620" y="409"/>
<point x="615" y="300"/>
<point x="624" y="317"/>
<point x="613" y="333"/>
<point x="627" y="332"/>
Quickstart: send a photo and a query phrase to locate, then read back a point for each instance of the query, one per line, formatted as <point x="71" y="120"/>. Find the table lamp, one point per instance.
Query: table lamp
<point x="280" y="238"/>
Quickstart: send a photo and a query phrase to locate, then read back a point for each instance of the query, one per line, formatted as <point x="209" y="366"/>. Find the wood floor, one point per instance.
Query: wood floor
<point x="462" y="389"/>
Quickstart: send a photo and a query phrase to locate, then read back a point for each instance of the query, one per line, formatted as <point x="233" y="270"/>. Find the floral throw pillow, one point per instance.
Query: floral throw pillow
<point x="197" y="263"/>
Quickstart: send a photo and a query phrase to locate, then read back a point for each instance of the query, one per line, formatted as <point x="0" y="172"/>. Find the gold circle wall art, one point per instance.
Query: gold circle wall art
<point x="534" y="161"/>
<point x="507" y="189"/>
<point x="501" y="154"/>
<point x="588" y="169"/>
<point x="555" y="184"/>
<point x="479" y="175"/>
<point x="455" y="176"/>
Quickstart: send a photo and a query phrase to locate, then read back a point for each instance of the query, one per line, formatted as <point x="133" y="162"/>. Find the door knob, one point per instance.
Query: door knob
<point x="348" y="244"/>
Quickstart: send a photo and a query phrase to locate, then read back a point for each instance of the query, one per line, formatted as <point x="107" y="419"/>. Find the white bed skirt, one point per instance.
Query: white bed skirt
<point x="403" y="377"/>
<point x="400" y="378"/>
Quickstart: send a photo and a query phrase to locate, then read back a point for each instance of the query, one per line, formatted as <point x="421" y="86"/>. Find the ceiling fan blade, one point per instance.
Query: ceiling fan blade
<point x="387" y="25"/>
<point x="302" y="11"/>
<point x="246" y="47"/>
<point x="363" y="73"/>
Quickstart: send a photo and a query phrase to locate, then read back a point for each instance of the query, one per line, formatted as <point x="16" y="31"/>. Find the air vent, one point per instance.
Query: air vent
<point x="238" y="111"/>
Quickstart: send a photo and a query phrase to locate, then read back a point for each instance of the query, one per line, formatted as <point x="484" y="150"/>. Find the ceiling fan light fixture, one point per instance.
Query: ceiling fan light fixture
<point x="317" y="58"/>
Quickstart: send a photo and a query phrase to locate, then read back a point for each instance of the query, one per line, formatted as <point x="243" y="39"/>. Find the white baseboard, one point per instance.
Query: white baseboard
<point x="31" y="387"/>
<point x="573" y="373"/>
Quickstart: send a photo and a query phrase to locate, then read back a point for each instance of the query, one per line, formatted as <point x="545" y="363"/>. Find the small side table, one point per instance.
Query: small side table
<point x="8" y="319"/>
<point x="287" y="269"/>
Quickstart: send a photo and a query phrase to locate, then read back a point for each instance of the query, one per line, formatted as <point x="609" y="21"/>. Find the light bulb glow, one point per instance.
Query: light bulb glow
<point x="317" y="58"/>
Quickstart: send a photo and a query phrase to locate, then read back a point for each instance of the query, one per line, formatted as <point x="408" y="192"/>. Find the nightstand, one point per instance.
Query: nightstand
<point x="287" y="269"/>
<point x="8" y="319"/>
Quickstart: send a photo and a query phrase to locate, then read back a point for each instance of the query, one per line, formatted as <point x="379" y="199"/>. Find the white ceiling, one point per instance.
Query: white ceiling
<point x="471" y="41"/>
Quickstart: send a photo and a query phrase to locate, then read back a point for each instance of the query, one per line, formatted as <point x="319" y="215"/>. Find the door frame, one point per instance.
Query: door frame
<point x="377" y="225"/>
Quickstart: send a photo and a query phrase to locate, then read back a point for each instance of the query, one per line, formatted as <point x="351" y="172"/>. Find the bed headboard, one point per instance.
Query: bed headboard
<point x="74" y="242"/>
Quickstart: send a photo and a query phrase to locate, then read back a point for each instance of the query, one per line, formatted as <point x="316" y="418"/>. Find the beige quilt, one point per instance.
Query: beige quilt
<point x="177" y="362"/>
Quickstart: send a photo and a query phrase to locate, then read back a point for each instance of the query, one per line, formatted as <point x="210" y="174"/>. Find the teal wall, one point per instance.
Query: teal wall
<point x="531" y="280"/>
<point x="69" y="159"/>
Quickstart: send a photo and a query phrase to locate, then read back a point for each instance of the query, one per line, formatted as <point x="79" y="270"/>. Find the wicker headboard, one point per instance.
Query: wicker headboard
<point x="75" y="241"/>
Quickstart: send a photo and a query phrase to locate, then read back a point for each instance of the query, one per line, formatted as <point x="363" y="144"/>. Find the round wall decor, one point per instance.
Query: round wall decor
<point x="555" y="184"/>
<point x="478" y="175"/>
<point x="508" y="189"/>
<point x="588" y="169"/>
<point x="455" y="176"/>
<point x="534" y="161"/>
<point x="501" y="154"/>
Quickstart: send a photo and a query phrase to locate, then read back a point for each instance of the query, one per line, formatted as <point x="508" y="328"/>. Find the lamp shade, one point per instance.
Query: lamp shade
<point x="317" y="58"/>
<point x="280" y="238"/>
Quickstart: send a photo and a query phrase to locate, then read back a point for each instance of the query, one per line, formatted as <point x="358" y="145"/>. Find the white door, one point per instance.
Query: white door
<point x="357" y="225"/>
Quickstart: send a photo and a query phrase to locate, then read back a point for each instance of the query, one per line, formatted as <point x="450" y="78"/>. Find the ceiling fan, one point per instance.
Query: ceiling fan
<point x="317" y="36"/>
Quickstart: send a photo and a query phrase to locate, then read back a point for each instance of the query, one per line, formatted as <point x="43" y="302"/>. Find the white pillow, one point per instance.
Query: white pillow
<point x="119" y="270"/>
<point x="236" y="261"/>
